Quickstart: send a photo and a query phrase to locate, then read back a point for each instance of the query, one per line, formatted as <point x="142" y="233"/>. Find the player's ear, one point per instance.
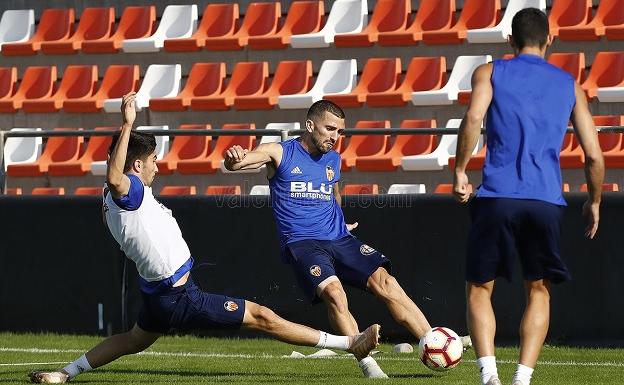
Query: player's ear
<point x="137" y="165"/>
<point x="309" y="125"/>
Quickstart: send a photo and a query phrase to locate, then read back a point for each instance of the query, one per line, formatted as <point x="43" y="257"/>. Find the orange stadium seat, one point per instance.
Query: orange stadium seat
<point x="571" y="155"/>
<point x="184" y="147"/>
<point x="135" y="23"/>
<point x="219" y="20"/>
<point x="291" y="77"/>
<point x="55" y="24"/>
<point x="447" y="188"/>
<point x="96" y="150"/>
<point x="388" y="16"/>
<point x="204" y="80"/>
<point x="95" y="24"/>
<point x="78" y="83"/>
<point x="475" y="14"/>
<point x="607" y="70"/>
<point x="611" y="144"/>
<point x="609" y="13"/>
<point x="93" y="191"/>
<point x="57" y="149"/>
<point x="37" y="82"/>
<point x="432" y="15"/>
<point x="178" y="190"/>
<point x="572" y="63"/>
<point x="605" y="187"/>
<point x="261" y="19"/>
<point x="423" y="74"/>
<point x="379" y="75"/>
<point x="8" y="82"/>
<point x="303" y="17"/>
<point x="569" y="13"/>
<point x="359" y="189"/>
<point x="615" y="24"/>
<point x="223" y="190"/>
<point x="248" y="79"/>
<point x="118" y="80"/>
<point x="48" y="191"/>
<point x="364" y="145"/>
<point x="404" y="145"/>
<point x="13" y="191"/>
<point x="210" y="161"/>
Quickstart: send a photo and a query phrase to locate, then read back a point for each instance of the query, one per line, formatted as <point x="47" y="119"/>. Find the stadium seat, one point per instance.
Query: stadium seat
<point x="210" y="161"/>
<point x="8" y="82"/>
<point x="281" y="127"/>
<point x="459" y="81"/>
<point x="95" y="24"/>
<point x="432" y="15"/>
<point x="89" y="191"/>
<point x="606" y="71"/>
<point x="572" y="63"/>
<point x="290" y="78"/>
<point x="364" y="145"/>
<point x="303" y="17"/>
<point x="605" y="187"/>
<point x="184" y="147"/>
<point x="388" y="16"/>
<point x="118" y="80"/>
<point x="22" y="150"/>
<point x="13" y="191"/>
<point x="57" y="149"/>
<point x="447" y="188"/>
<point x="162" y="141"/>
<point x="399" y="188"/>
<point x="569" y="13"/>
<point x="96" y="150"/>
<point x="78" y="83"/>
<point x="178" y="190"/>
<point x="16" y="26"/>
<point x="334" y="77"/>
<point x="423" y="74"/>
<point x="48" y="191"/>
<point x="160" y="81"/>
<point x="345" y="16"/>
<point x="135" y="23"/>
<point x="248" y="79"/>
<point x="611" y="144"/>
<point x="379" y="75"/>
<point x="37" y="82"/>
<point x="204" y="80"/>
<point x="260" y="190"/>
<point x="55" y="24"/>
<point x="476" y="161"/>
<point x="404" y="145"/>
<point x="223" y="190"/>
<point x="565" y="187"/>
<point x="177" y="21"/>
<point x="261" y="19"/>
<point x="609" y="13"/>
<point x="499" y="33"/>
<point x="360" y="189"/>
<point x="615" y="28"/>
<point x="219" y="20"/>
<point x="611" y="94"/>
<point x="475" y="14"/>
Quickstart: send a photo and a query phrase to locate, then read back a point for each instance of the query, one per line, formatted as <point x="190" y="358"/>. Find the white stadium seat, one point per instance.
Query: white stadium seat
<point x="22" y="150"/>
<point x="499" y="33"/>
<point x="17" y="26"/>
<point x="260" y="190"/>
<point x="162" y="141"/>
<point x="611" y="94"/>
<point x="280" y="127"/>
<point x="407" y="189"/>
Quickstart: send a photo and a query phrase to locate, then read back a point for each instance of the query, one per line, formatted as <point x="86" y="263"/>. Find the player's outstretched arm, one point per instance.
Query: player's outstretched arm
<point x="594" y="161"/>
<point x="117" y="181"/>
<point x="238" y="158"/>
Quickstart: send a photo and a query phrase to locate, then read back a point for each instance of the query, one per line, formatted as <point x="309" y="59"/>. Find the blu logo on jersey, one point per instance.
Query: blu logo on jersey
<point x="307" y="190"/>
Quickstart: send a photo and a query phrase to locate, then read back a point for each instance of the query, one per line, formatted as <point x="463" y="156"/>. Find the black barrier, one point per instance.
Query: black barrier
<point x="59" y="262"/>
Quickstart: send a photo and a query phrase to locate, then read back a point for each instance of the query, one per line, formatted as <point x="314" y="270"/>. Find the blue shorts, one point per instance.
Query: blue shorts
<point x="187" y="307"/>
<point x="504" y="229"/>
<point x="347" y="258"/>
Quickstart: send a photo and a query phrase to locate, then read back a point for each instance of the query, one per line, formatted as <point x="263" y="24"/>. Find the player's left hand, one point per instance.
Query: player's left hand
<point x="461" y="189"/>
<point x="352" y="226"/>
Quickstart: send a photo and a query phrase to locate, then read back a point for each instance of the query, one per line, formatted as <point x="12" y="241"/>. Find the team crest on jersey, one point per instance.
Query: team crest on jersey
<point x="366" y="250"/>
<point x="315" y="270"/>
<point x="329" y="171"/>
<point x="230" y="306"/>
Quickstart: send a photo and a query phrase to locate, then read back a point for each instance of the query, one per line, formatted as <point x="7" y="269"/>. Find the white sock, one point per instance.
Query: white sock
<point x="367" y="361"/>
<point x="370" y="368"/>
<point x="523" y="374"/>
<point x="81" y="365"/>
<point x="487" y="367"/>
<point x="331" y="341"/>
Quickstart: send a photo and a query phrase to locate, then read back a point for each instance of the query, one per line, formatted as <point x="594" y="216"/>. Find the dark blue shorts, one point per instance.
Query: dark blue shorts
<point x="347" y="258"/>
<point x="504" y="229"/>
<point x="187" y="307"/>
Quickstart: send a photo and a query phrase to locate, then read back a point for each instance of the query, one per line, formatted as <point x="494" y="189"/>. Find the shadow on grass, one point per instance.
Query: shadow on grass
<point x="415" y="375"/>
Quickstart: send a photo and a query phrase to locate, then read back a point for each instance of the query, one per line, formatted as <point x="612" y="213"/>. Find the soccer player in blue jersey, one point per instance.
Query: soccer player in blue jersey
<point x="303" y="177"/>
<point x="518" y="208"/>
<point x="149" y="235"/>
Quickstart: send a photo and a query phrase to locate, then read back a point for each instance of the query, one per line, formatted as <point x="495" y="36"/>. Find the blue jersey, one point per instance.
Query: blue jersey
<point x="302" y="195"/>
<point x="531" y="105"/>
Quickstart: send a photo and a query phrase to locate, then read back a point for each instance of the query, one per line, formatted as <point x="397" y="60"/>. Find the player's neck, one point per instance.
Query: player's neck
<point x="306" y="143"/>
<point x="535" y="51"/>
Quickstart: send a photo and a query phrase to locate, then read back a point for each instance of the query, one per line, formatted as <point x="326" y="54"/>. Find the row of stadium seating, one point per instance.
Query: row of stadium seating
<point x="263" y="27"/>
<point x="72" y="156"/>
<point x="381" y="84"/>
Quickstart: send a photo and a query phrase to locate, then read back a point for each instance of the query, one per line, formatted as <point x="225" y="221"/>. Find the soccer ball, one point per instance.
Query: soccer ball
<point x="440" y="349"/>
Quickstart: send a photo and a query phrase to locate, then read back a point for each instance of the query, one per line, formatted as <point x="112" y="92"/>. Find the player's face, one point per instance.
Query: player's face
<point x="326" y="131"/>
<point x="149" y="169"/>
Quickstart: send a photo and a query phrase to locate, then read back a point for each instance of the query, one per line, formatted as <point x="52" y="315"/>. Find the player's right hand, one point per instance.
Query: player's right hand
<point x="592" y="212"/>
<point x="461" y="190"/>
<point x="128" y="108"/>
<point x="235" y="154"/>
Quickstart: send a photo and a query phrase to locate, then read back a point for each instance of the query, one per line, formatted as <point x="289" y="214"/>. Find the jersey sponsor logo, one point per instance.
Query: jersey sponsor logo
<point x="307" y="190"/>
<point x="230" y="306"/>
<point x="366" y="250"/>
<point x="296" y="170"/>
<point x="329" y="171"/>
<point x="315" y="270"/>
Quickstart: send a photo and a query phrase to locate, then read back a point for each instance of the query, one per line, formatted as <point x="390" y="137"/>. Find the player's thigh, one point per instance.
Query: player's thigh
<point x="312" y="265"/>
<point x="142" y="339"/>
<point x="356" y="261"/>
<point x="203" y="310"/>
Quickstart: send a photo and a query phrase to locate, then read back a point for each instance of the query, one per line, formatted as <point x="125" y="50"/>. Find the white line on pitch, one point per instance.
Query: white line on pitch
<point x="35" y="363"/>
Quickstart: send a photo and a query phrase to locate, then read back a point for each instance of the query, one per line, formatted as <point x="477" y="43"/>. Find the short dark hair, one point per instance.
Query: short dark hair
<point x="317" y="109"/>
<point x="140" y="146"/>
<point x="529" y="27"/>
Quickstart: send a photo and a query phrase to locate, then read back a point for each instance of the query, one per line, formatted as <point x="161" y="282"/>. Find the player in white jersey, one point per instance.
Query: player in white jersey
<point x="149" y="235"/>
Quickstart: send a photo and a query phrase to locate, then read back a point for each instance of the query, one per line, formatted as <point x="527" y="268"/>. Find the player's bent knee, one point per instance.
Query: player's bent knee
<point x="335" y="297"/>
<point x="260" y="317"/>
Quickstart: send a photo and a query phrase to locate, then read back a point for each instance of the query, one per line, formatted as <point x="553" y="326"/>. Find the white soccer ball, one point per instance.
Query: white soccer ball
<point x="440" y="349"/>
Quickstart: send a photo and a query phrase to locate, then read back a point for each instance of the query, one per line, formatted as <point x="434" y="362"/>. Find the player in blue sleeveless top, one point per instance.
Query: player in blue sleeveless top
<point x="303" y="177"/>
<point x="518" y="208"/>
